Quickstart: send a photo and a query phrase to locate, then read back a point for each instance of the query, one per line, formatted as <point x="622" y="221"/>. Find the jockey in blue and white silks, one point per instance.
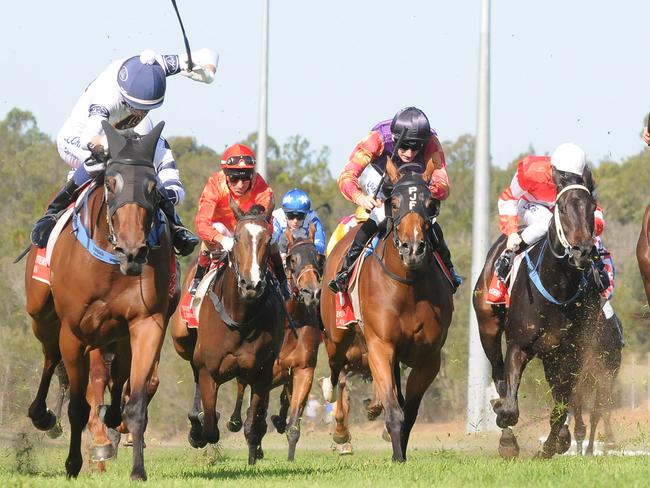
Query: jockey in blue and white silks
<point x="296" y="213"/>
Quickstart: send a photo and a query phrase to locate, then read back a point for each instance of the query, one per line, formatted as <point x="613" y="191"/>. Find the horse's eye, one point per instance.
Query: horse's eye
<point x="115" y="183"/>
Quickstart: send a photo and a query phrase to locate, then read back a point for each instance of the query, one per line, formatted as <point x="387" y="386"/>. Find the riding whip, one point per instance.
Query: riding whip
<point x="190" y="65"/>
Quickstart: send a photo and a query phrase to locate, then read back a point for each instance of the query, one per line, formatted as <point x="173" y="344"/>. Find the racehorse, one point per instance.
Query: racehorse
<point x="122" y="303"/>
<point x="596" y="380"/>
<point x="406" y="305"/>
<point x="552" y="312"/>
<point x="643" y="252"/>
<point x="241" y="327"/>
<point x="294" y="368"/>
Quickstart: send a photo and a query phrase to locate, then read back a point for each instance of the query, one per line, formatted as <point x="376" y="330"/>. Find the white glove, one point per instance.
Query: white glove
<point x="367" y="202"/>
<point x="514" y="240"/>
<point x="204" y="61"/>
<point x="227" y="243"/>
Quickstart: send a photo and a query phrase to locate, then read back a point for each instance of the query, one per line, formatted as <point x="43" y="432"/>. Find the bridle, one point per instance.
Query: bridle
<point x="232" y="261"/>
<point x="559" y="230"/>
<point x="296" y="275"/>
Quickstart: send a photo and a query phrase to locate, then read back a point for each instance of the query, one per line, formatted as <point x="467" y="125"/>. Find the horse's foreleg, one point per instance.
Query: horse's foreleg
<point x="508" y="410"/>
<point x="490" y="325"/>
<point x="102" y="448"/>
<point x="336" y="352"/>
<point x="255" y="425"/>
<point x="418" y="381"/>
<point x="41" y="416"/>
<point x="56" y="431"/>
<point x="302" y="380"/>
<point x="145" y="340"/>
<point x="195" y="415"/>
<point x="381" y="357"/>
<point x="579" y="427"/>
<point x="235" y="422"/>
<point x="341" y="433"/>
<point x="279" y="421"/>
<point x="209" y="389"/>
<point x="76" y="366"/>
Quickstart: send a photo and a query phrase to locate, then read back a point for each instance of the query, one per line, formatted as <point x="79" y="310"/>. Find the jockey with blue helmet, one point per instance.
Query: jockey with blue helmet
<point x="297" y="215"/>
<point x="123" y="94"/>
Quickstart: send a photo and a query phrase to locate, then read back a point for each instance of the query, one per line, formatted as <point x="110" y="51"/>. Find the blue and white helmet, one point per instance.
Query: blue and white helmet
<point x="142" y="81"/>
<point x="296" y="200"/>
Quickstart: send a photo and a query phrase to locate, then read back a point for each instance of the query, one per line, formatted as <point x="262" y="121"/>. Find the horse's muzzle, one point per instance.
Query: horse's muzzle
<point x="131" y="259"/>
<point x="249" y="290"/>
<point x="413" y="254"/>
<point x="310" y="297"/>
<point x="580" y="256"/>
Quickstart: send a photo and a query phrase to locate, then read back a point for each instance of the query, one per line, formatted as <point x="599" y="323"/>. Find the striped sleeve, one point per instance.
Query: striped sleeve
<point x="168" y="172"/>
<point x="365" y="152"/>
<point x="439" y="183"/>
<point x="599" y="221"/>
<point x="508" y="219"/>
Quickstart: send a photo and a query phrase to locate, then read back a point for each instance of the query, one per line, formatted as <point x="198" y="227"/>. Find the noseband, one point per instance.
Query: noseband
<point x="559" y="230"/>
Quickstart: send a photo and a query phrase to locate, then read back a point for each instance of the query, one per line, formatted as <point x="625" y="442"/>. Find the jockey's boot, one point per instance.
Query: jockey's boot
<point x="45" y="224"/>
<point x="340" y="282"/>
<point x="503" y="264"/>
<point x="201" y="268"/>
<point x="278" y="270"/>
<point x="182" y="239"/>
<point x="445" y="255"/>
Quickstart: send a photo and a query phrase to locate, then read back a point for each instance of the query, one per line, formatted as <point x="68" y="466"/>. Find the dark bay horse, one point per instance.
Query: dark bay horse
<point x="124" y="305"/>
<point x="294" y="368"/>
<point x="643" y="252"/>
<point x="241" y="328"/>
<point x="552" y="317"/>
<point x="406" y="306"/>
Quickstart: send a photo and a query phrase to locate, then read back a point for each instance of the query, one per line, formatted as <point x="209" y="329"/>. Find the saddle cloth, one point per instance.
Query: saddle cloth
<point x="191" y="305"/>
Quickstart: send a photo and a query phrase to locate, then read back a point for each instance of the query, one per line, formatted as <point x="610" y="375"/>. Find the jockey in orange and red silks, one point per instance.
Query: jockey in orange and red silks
<point x="529" y="200"/>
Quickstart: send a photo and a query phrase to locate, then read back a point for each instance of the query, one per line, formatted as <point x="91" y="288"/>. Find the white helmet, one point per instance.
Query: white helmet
<point x="569" y="157"/>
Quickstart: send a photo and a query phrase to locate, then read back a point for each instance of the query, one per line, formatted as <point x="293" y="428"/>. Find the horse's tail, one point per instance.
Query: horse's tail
<point x="23" y="254"/>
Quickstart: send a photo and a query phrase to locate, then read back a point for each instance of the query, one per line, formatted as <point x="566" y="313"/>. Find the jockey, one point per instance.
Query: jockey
<point x="530" y="199"/>
<point x="419" y="145"/>
<point x="215" y="221"/>
<point x="297" y="215"/>
<point x="123" y="94"/>
<point x="345" y="224"/>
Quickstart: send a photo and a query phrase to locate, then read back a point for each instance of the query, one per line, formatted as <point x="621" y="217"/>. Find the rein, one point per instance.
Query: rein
<point x="559" y="230"/>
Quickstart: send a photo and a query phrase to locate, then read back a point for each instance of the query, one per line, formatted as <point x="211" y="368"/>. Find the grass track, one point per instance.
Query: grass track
<point x="179" y="466"/>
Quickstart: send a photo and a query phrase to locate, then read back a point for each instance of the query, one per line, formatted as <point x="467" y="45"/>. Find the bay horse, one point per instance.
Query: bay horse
<point x="406" y="305"/>
<point x="643" y="252"/>
<point x="241" y="328"/>
<point x="122" y="303"/>
<point x="596" y="382"/>
<point x="294" y="368"/>
<point x="553" y="311"/>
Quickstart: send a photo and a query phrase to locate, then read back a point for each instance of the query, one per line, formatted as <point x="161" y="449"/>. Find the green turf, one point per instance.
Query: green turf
<point x="178" y="466"/>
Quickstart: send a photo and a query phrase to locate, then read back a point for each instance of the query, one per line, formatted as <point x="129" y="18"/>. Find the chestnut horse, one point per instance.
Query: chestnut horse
<point x="294" y="368"/>
<point x="124" y="305"/>
<point x="643" y="252"/>
<point x="553" y="311"/>
<point x="241" y="328"/>
<point x="406" y="305"/>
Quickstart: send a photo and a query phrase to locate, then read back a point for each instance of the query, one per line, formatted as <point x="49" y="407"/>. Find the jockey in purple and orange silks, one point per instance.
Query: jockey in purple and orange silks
<point x="420" y="145"/>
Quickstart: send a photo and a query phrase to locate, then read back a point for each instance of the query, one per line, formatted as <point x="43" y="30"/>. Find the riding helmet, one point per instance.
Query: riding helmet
<point x="569" y="157"/>
<point x="296" y="200"/>
<point x="142" y="81"/>
<point x="415" y="122"/>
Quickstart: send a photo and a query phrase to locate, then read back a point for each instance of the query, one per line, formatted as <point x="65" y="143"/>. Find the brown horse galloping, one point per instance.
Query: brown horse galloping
<point x="406" y="306"/>
<point x="125" y="306"/>
<point x="241" y="328"/>
<point x="552" y="314"/>
<point x="643" y="252"/>
<point x="294" y="368"/>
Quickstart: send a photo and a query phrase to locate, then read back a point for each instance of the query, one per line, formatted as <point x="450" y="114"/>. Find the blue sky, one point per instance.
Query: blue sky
<point x="561" y="71"/>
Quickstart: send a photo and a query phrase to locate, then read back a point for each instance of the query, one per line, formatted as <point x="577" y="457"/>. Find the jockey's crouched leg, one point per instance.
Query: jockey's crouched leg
<point x="182" y="239"/>
<point x="201" y="269"/>
<point x="44" y="225"/>
<point x="278" y="270"/>
<point x="340" y="281"/>
<point x="445" y="255"/>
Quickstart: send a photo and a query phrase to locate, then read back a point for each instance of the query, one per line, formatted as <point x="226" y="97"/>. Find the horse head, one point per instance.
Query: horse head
<point x="131" y="196"/>
<point x="306" y="266"/>
<point x="413" y="209"/>
<point x="250" y="253"/>
<point x="572" y="229"/>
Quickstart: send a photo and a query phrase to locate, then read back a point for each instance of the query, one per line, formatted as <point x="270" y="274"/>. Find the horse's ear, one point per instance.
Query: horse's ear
<point x="391" y="170"/>
<point x="116" y="141"/>
<point x="428" y="171"/>
<point x="150" y="141"/>
<point x="289" y="235"/>
<point x="235" y="208"/>
<point x="312" y="232"/>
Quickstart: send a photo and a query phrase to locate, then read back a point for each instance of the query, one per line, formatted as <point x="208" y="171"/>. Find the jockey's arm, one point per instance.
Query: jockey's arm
<point x="507" y="204"/>
<point x="599" y="221"/>
<point x="204" y="64"/>
<point x="366" y="151"/>
<point x="167" y="171"/>
<point x="319" y="236"/>
<point x="205" y="214"/>
<point x="439" y="182"/>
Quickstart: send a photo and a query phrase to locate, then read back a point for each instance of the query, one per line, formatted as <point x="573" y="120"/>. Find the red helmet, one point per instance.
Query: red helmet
<point x="239" y="157"/>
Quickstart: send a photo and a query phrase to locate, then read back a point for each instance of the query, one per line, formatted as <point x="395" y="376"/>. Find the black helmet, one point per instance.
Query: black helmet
<point x="416" y="124"/>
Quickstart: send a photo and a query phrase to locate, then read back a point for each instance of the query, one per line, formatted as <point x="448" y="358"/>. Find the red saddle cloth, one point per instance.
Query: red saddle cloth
<point x="187" y="314"/>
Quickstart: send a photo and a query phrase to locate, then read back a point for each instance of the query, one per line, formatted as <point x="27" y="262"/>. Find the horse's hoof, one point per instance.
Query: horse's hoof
<point x="128" y="442"/>
<point x="341" y="438"/>
<point x="46" y="422"/>
<point x="196" y="443"/>
<point x="102" y="453"/>
<point x="115" y="438"/>
<point x="385" y="435"/>
<point x="563" y="442"/>
<point x="56" y="431"/>
<point x="345" y="449"/>
<point x="329" y="392"/>
<point x="234" y="425"/>
<point x="279" y="424"/>
<point x="374" y="411"/>
<point x="496" y="403"/>
<point x="506" y="418"/>
<point x="542" y="455"/>
<point x="139" y="476"/>
<point x="259" y="453"/>
<point x="508" y="446"/>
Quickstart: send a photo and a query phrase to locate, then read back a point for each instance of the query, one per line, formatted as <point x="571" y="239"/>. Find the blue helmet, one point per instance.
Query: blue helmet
<point x="296" y="200"/>
<point x="142" y="82"/>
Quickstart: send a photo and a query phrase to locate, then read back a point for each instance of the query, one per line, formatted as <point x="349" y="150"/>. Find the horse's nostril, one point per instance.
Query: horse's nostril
<point x="119" y="250"/>
<point x="142" y="253"/>
<point x="420" y="248"/>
